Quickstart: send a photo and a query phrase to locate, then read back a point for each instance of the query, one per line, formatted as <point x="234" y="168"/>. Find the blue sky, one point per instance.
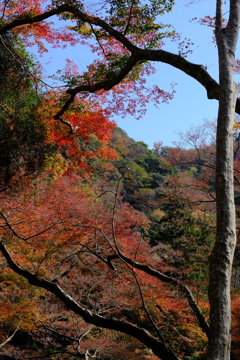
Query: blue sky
<point x="190" y="105"/>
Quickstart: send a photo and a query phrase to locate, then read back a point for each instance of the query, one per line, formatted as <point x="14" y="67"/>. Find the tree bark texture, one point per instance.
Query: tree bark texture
<point x="222" y="255"/>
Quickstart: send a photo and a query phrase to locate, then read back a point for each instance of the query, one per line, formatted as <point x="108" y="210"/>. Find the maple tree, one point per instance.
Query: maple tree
<point x="125" y="46"/>
<point x="90" y="133"/>
<point x="77" y="232"/>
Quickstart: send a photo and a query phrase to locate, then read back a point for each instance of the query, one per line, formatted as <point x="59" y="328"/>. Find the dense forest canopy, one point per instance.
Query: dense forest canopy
<point x="109" y="249"/>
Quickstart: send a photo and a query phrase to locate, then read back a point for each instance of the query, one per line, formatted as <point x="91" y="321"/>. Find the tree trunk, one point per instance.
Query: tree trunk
<point x="223" y="251"/>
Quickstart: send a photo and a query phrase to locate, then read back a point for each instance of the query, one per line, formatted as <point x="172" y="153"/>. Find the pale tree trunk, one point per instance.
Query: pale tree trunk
<point x="222" y="254"/>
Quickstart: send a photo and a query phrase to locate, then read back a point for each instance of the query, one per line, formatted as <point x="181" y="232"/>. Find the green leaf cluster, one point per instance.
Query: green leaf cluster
<point x="143" y="171"/>
<point x="22" y="134"/>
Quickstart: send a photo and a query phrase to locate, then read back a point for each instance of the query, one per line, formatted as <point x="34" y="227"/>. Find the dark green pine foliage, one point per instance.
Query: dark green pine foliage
<point x="22" y="134"/>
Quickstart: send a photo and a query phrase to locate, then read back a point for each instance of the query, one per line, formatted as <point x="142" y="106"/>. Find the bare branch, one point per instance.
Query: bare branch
<point x="198" y="72"/>
<point x="169" y="280"/>
<point x="9" y="226"/>
<point x="129" y="18"/>
<point x="65" y="122"/>
<point x="37" y="79"/>
<point x="158" y="348"/>
<point x="10" y="337"/>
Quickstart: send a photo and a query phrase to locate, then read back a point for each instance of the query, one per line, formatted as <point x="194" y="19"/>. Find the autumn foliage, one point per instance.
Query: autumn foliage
<point x="104" y="242"/>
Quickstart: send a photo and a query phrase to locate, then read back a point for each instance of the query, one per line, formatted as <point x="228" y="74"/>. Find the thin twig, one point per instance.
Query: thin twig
<point x="10" y="337"/>
<point x="129" y="18"/>
<point x="23" y="65"/>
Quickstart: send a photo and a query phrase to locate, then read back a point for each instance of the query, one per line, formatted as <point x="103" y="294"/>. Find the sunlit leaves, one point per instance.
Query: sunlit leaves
<point x="134" y="19"/>
<point x="92" y="132"/>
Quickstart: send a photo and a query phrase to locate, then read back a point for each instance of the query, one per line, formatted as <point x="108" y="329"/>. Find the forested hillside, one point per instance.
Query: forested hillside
<point x="109" y="249"/>
<point x="93" y="229"/>
<point x="90" y="217"/>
